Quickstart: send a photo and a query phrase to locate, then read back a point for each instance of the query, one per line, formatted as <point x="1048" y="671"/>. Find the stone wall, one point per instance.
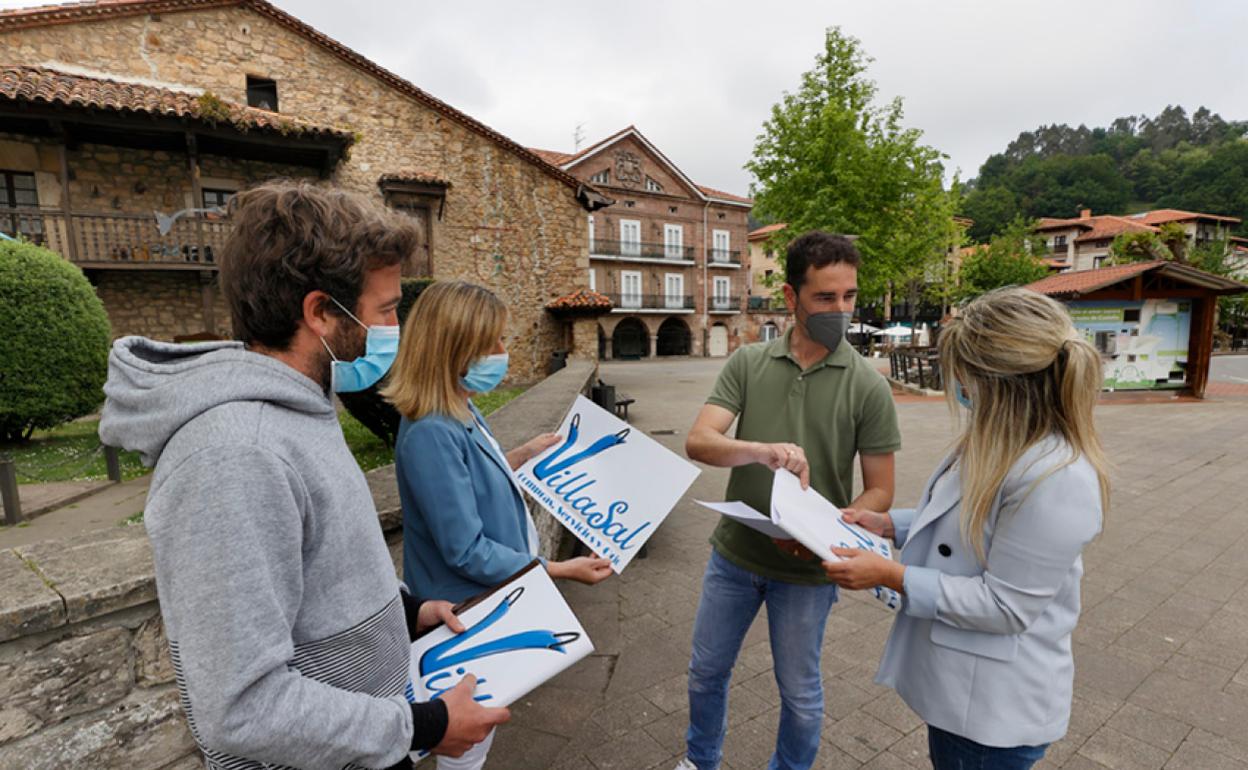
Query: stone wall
<point x="162" y="304"/>
<point x="506" y="223"/>
<point x="85" y="677"/>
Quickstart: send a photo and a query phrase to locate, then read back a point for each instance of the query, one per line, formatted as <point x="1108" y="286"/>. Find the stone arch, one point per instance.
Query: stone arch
<point x="630" y="339"/>
<point x="674" y="338"/>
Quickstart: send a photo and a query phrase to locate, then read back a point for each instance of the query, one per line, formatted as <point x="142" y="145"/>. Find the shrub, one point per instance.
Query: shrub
<point x="370" y="409"/>
<point x="54" y="343"/>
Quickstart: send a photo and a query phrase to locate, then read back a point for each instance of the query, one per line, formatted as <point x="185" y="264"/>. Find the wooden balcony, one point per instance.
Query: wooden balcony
<point x="97" y="240"/>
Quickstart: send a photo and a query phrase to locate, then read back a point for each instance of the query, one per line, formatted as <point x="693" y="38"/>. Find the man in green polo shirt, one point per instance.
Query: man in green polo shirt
<point x="808" y="403"/>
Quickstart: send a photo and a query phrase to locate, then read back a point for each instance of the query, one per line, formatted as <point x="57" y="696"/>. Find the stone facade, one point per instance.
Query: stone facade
<point x="673" y="271"/>
<point x="506" y="221"/>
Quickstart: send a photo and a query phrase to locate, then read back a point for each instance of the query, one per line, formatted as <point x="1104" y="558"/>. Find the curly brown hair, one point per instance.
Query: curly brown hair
<point x="293" y="237"/>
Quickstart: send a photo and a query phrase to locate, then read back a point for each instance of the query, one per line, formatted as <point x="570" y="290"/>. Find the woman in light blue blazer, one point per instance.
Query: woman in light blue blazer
<point x="466" y="527"/>
<point x="991" y="557"/>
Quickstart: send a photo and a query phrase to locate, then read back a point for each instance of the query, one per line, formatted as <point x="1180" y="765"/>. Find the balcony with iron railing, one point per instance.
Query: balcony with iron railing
<point x="639" y="251"/>
<point x="730" y="303"/>
<point x="624" y="302"/>
<point x="759" y="304"/>
<point x="723" y="258"/>
<point x="121" y="240"/>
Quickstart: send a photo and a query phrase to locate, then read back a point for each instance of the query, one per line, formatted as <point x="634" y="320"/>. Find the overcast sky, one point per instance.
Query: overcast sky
<point x="699" y="78"/>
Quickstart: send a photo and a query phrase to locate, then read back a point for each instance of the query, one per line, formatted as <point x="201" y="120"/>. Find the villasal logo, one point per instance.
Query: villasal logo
<point x="589" y="482"/>
<point x="509" y="643"/>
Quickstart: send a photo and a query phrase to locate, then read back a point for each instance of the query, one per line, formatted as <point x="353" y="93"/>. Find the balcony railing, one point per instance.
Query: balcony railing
<point x="720" y="302"/>
<point x="758" y="304"/>
<point x="723" y="257"/>
<point x="639" y="250"/>
<point x="120" y="240"/>
<point x="628" y="301"/>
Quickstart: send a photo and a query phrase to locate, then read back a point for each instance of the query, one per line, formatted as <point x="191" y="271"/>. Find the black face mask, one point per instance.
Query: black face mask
<point x="827" y="329"/>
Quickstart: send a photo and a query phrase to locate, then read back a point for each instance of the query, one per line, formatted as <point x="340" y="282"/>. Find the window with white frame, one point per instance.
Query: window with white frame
<point x="593" y="283"/>
<point x="768" y="332"/>
<point x="630" y="238"/>
<point x="720" y="298"/>
<point x="630" y="288"/>
<point x="653" y="186"/>
<point x="673" y="291"/>
<point x="673" y="241"/>
<point x="602" y="177"/>
<point x="591" y="233"/>
<point x="721" y="242"/>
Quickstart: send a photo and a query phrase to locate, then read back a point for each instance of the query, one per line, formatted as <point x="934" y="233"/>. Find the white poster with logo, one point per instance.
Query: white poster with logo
<point x="610" y="484"/>
<point x="518" y="636"/>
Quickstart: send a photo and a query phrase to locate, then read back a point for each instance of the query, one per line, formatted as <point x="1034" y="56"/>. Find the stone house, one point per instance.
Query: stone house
<point x="667" y="252"/>
<point x="767" y="317"/>
<point x="117" y="116"/>
<point x="1083" y="242"/>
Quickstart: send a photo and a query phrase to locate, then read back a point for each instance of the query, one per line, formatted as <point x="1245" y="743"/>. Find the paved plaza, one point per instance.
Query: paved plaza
<point x="1161" y="650"/>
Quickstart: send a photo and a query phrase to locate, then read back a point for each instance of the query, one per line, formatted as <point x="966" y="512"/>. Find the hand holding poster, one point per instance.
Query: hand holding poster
<point x="517" y="636"/>
<point x="590" y="482"/>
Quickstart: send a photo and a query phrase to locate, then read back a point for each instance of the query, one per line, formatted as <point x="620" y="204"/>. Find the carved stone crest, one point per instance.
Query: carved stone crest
<point x="628" y="168"/>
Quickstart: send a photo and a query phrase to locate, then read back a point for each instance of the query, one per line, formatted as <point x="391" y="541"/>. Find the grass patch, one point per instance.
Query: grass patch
<point x="70" y="452"/>
<point x="132" y="520"/>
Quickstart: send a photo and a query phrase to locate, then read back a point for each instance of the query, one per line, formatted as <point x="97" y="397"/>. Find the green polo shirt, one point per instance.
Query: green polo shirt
<point x="834" y="410"/>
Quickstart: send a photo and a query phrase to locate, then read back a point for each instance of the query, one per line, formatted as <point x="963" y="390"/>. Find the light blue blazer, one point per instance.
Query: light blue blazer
<point x="464" y="522"/>
<point x="984" y="651"/>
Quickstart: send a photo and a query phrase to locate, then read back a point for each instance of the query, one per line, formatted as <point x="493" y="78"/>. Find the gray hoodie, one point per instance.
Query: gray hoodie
<point x="277" y="590"/>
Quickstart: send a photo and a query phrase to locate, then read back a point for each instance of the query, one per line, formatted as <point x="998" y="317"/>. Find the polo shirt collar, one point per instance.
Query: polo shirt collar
<point x="841" y="358"/>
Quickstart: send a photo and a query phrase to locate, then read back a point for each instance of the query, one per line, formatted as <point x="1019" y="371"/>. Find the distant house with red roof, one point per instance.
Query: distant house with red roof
<point x="668" y="251"/>
<point x="1082" y="243"/>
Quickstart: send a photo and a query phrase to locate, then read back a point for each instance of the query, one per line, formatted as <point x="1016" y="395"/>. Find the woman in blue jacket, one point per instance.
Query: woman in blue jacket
<point x="466" y="527"/>
<point x="991" y="557"/>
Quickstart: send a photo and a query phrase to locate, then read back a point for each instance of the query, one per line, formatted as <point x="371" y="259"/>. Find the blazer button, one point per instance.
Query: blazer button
<point x="944" y="550"/>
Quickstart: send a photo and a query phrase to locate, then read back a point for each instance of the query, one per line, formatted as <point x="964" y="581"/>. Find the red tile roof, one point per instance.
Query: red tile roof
<point x="1053" y="223"/>
<point x="1081" y="282"/>
<point x="583" y="302"/>
<point x="552" y="157"/>
<point x="39" y="84"/>
<point x="766" y="230"/>
<point x="711" y="192"/>
<point x="1109" y="226"/>
<point x="1161" y="216"/>
<point x="413" y="177"/>
<point x="69" y="13"/>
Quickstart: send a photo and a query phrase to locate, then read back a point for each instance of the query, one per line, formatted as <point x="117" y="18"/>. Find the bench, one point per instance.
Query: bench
<point x="621" y="407"/>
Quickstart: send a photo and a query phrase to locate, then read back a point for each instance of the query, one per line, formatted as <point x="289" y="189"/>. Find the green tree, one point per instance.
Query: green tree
<point x="1008" y="260"/>
<point x="830" y="158"/>
<point x="54" y="348"/>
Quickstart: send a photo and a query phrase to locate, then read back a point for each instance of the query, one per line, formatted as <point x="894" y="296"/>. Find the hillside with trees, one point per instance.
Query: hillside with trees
<point x="1173" y="160"/>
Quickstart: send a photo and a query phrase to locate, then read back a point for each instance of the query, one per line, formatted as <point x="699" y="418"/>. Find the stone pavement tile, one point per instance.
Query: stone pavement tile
<point x="1193" y="704"/>
<point x="669" y="731"/>
<point x="1195" y="670"/>
<point x="750" y="744"/>
<point x="1147" y="590"/>
<point x="1141" y="724"/>
<point x="862" y="736"/>
<point x="890" y="709"/>
<point x="839" y="627"/>
<point x="764" y="687"/>
<point x="862" y="676"/>
<point x="1094" y="636"/>
<point x="831" y="664"/>
<point x="744" y="705"/>
<point x="1213" y="584"/>
<point x="1080" y="762"/>
<point x="633" y="751"/>
<point x="647" y="662"/>
<point x="1156" y="647"/>
<point x="639" y="626"/>
<point x="522" y="746"/>
<point x="887" y="761"/>
<point x="841" y="698"/>
<point x="1089" y="712"/>
<point x="1113" y="672"/>
<point x="912" y="749"/>
<point x="1060" y="752"/>
<point x="602" y="623"/>
<point x="1115" y="614"/>
<point x="625" y="714"/>
<point x="1217" y="650"/>
<point x="670" y="694"/>
<point x="591" y="674"/>
<point x="569" y="762"/>
<point x="1122" y="752"/>
<point x="754" y="659"/>
<point x="1235" y="749"/>
<point x="1193" y="757"/>
<point x="832" y="758"/>
<point x="555" y="710"/>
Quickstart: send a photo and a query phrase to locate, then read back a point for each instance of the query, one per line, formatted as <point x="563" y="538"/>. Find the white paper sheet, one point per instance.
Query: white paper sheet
<point x="818" y="524"/>
<point x="608" y="482"/>
<point x="751" y="518"/>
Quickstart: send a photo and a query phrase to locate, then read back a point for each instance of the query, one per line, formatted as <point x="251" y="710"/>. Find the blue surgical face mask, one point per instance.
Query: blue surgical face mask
<point x="484" y="374"/>
<point x="380" y="348"/>
<point x="960" y="393"/>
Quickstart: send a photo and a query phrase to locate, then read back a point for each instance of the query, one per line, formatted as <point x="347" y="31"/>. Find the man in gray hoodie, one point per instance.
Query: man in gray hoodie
<point x="288" y="631"/>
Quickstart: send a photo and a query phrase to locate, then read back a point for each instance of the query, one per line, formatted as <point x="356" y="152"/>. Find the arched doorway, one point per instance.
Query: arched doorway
<point x="768" y="332"/>
<point x="719" y="341"/>
<point x="602" y="343"/>
<point x="675" y="339"/>
<point x="630" y="339"/>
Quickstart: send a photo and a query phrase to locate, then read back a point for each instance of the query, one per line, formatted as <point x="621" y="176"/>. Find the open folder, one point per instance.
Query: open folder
<point x="519" y="634"/>
<point x="806" y="516"/>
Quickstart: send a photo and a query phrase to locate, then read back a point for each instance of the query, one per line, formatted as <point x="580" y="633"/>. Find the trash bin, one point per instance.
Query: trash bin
<point x="604" y="396"/>
<point x="558" y="360"/>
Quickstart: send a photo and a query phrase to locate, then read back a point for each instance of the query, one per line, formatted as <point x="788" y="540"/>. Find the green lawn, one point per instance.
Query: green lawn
<point x="71" y="452"/>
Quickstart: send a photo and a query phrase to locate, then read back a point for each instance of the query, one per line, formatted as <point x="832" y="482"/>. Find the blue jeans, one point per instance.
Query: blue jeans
<point x="953" y="752"/>
<point x="796" y="616"/>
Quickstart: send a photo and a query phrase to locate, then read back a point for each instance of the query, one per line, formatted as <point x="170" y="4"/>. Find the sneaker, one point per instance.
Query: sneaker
<point x="685" y="764"/>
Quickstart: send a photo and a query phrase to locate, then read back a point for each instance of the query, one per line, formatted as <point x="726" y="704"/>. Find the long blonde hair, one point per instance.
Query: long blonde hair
<point x="452" y="324"/>
<point x="1030" y="375"/>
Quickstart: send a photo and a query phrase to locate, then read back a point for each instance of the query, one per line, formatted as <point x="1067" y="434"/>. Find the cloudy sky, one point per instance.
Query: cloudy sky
<point x="699" y="78"/>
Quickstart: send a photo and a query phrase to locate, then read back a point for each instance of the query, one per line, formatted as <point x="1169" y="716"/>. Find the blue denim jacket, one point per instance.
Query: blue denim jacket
<point x="464" y="522"/>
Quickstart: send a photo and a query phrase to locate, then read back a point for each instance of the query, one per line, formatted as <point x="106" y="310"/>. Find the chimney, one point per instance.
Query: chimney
<point x="1085" y="213"/>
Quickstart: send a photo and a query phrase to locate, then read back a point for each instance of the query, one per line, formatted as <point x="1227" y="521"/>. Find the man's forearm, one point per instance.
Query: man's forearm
<point x="874" y="499"/>
<point x="713" y="448"/>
